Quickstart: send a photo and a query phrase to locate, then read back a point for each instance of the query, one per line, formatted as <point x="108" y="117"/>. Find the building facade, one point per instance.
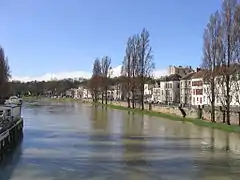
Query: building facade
<point x="186" y="90"/>
<point x="197" y="89"/>
<point x="167" y="89"/>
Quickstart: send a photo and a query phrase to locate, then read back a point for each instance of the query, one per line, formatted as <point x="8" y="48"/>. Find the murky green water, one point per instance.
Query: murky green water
<point x="75" y="141"/>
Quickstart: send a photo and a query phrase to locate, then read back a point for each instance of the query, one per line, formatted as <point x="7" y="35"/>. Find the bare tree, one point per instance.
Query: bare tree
<point x="106" y="71"/>
<point x="237" y="51"/>
<point x="126" y="71"/>
<point x="145" y="60"/>
<point x="211" y="58"/>
<point x="130" y="69"/>
<point x="135" y="69"/>
<point x="95" y="81"/>
<point x="229" y="53"/>
<point x="4" y="76"/>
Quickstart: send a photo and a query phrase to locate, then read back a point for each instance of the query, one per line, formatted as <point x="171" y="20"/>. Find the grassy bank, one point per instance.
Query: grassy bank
<point x="199" y="122"/>
<point x="36" y="98"/>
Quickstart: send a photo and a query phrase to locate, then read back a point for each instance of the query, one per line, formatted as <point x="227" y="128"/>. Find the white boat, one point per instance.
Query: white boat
<point x="14" y="100"/>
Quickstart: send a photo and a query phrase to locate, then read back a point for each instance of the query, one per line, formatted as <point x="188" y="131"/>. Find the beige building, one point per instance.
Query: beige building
<point x="180" y="70"/>
<point x="185" y="90"/>
<point x="197" y="89"/>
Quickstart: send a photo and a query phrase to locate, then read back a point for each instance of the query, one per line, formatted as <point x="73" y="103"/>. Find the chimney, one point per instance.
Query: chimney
<point x="198" y="69"/>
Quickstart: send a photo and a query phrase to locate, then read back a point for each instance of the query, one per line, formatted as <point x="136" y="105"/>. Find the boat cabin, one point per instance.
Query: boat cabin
<point x="10" y="112"/>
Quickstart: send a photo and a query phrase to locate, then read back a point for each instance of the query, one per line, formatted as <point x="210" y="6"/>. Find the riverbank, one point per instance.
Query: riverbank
<point x="123" y="106"/>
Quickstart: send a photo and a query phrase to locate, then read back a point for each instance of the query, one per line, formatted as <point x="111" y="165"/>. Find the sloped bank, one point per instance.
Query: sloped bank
<point x="199" y="122"/>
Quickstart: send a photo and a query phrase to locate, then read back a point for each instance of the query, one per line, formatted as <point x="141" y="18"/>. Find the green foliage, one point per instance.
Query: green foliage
<point x="4" y="76"/>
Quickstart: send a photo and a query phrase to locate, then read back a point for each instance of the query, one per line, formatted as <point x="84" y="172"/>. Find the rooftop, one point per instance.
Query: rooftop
<point x="188" y="76"/>
<point x="172" y="77"/>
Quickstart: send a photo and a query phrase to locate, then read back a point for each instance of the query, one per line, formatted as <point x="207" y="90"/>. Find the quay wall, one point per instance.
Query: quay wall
<point x="11" y="136"/>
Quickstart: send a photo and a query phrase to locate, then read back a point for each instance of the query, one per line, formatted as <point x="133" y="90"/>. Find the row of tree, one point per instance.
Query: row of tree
<point x="221" y="56"/>
<point x="44" y="88"/>
<point x="137" y="68"/>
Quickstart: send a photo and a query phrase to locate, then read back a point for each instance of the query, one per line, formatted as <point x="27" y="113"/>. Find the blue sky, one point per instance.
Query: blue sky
<point x="51" y="36"/>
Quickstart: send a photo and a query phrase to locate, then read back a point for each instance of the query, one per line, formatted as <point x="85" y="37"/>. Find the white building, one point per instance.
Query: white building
<point x="167" y="89"/>
<point x="156" y="95"/>
<point x="114" y="92"/>
<point x="86" y="94"/>
<point x="78" y="93"/>
<point x="147" y="90"/>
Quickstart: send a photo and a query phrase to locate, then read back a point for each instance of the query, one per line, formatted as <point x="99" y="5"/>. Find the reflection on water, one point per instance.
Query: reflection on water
<point x="75" y="141"/>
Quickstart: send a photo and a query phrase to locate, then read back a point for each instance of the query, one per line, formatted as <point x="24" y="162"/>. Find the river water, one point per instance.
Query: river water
<point x="70" y="141"/>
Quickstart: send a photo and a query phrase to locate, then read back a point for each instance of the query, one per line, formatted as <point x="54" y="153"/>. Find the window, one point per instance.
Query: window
<point x="200" y="100"/>
<point x="199" y="91"/>
<point x="193" y="100"/>
<point x="197" y="83"/>
<point x="197" y="98"/>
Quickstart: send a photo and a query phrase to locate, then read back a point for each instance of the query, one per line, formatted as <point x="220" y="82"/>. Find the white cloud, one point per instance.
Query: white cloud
<point x="116" y="71"/>
<point x="160" y="72"/>
<point x="78" y="74"/>
<point x="51" y="76"/>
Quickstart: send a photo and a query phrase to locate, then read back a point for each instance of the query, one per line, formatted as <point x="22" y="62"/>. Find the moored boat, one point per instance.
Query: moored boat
<point x="14" y="100"/>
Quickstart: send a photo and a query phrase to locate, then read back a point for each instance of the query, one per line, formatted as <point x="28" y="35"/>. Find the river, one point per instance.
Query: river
<point x="70" y="141"/>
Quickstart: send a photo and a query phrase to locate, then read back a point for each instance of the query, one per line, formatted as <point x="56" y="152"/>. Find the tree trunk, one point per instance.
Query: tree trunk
<point x="213" y="111"/>
<point x="224" y="117"/>
<point x="228" y="99"/>
<point x="133" y="99"/>
<point x="142" y="103"/>
<point x="142" y="99"/>
<point x="239" y="118"/>
<point x="213" y="95"/>
<point x="228" y="78"/>
<point x="106" y="97"/>
<point x="128" y="100"/>
<point x="102" y="96"/>
<point x="228" y="115"/>
<point x="142" y="95"/>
